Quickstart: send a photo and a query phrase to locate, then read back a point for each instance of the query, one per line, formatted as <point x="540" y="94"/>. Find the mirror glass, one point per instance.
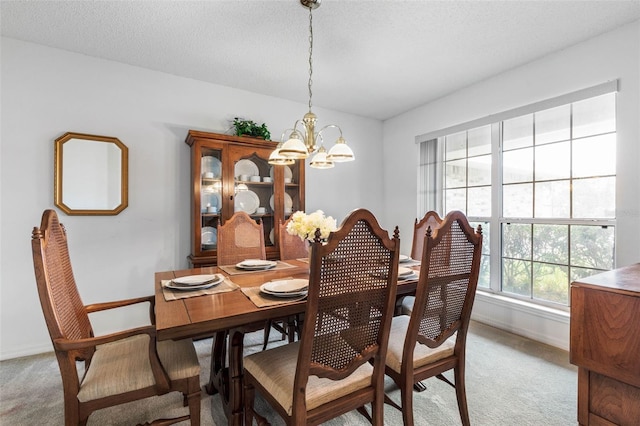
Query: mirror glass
<point x="90" y="174"/>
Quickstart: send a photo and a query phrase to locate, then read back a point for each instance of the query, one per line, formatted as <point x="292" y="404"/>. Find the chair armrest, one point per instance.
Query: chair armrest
<point x="96" y="307"/>
<point x="90" y="342"/>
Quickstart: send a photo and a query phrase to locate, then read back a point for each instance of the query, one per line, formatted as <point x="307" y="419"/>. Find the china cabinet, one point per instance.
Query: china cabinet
<point x="232" y="173"/>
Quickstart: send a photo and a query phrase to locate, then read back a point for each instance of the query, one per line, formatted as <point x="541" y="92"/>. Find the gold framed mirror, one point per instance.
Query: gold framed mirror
<point x="90" y="174"/>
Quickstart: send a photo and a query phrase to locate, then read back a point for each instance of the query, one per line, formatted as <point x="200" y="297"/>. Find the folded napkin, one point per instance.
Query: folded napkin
<point x="234" y="270"/>
<point x="171" y="294"/>
<point x="262" y="300"/>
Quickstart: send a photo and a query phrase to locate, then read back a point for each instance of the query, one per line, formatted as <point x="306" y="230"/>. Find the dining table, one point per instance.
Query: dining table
<point x="227" y="314"/>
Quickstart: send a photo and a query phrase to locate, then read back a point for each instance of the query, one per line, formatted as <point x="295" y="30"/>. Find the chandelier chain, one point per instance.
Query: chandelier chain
<point x="310" y="56"/>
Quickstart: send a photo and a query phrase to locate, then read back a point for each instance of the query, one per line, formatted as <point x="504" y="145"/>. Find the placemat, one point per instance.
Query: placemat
<point x="233" y="270"/>
<point x="170" y="294"/>
<point x="262" y="300"/>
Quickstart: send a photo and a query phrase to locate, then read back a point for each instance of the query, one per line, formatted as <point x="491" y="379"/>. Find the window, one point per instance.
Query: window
<point x="541" y="182"/>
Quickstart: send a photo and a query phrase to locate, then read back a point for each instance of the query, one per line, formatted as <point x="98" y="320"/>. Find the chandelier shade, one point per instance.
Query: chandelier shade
<point x="320" y="161"/>
<point x="277" y="159"/>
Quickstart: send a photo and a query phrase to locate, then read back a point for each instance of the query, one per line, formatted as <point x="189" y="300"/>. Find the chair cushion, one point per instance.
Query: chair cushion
<point x="422" y="354"/>
<point x="179" y="358"/>
<point x="275" y="370"/>
<point x="124" y="366"/>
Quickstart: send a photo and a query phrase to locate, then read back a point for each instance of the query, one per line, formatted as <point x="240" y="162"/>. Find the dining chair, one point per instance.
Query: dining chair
<point x="432" y="220"/>
<point x="289" y="247"/>
<point x="240" y="238"/>
<point x="119" y="367"/>
<point x="432" y="340"/>
<point x="338" y="363"/>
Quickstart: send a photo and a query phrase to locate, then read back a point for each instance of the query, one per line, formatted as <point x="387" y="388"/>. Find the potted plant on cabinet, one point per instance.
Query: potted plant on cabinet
<point x="250" y="128"/>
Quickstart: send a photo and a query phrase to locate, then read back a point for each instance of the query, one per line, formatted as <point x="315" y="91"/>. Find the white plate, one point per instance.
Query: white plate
<point x="247" y="201"/>
<point x="210" y="164"/>
<point x="192" y="287"/>
<point x="411" y="276"/>
<point x="404" y="271"/>
<point x="404" y="258"/>
<point x="296" y="294"/>
<point x="212" y="198"/>
<point x="209" y="235"/>
<point x="297" y="285"/>
<point x="197" y="279"/>
<point x="256" y="264"/>
<point x="288" y="202"/>
<point x="272" y="236"/>
<point x="246" y="167"/>
<point x="287" y="172"/>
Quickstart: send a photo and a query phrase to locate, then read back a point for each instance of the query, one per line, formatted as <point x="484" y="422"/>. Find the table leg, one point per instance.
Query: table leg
<point x="218" y="363"/>
<point x="228" y="380"/>
<point x="236" y="400"/>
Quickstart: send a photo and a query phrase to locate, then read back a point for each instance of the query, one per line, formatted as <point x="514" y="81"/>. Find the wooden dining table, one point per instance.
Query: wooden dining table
<point x="228" y="316"/>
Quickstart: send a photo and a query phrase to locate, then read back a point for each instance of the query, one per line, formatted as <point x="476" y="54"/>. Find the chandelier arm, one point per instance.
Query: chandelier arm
<point x="329" y="126"/>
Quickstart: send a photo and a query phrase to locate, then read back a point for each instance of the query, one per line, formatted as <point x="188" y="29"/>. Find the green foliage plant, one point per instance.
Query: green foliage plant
<point x="250" y="128"/>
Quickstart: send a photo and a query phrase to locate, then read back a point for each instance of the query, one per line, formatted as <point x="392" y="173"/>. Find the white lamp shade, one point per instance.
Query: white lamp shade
<point x="294" y="148"/>
<point x="319" y="161"/>
<point x="278" y="159"/>
<point x="340" y="152"/>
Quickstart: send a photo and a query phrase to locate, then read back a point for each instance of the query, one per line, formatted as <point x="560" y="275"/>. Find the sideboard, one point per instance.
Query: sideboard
<point x="605" y="345"/>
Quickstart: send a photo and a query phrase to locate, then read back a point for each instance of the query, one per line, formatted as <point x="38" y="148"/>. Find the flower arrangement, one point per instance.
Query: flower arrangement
<point x="305" y="225"/>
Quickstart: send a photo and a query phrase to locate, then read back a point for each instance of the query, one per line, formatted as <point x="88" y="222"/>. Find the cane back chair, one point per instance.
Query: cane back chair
<point x="240" y="238"/>
<point x="433" y="339"/>
<point x="338" y="363"/>
<point x="289" y="247"/>
<point x="119" y="367"/>
<point x="429" y="220"/>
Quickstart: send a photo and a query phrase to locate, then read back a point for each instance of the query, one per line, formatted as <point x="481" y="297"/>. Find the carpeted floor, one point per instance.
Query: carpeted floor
<point x="511" y="381"/>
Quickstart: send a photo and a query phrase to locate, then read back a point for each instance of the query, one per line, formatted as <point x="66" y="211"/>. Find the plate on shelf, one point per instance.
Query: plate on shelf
<point x="246" y="167"/>
<point x="256" y="264"/>
<point x="272" y="236"/>
<point x="404" y="258"/>
<point x="212" y="198"/>
<point x="210" y="164"/>
<point x="288" y="202"/>
<point x="287" y="172"/>
<point x="286" y="288"/>
<point x="247" y="201"/>
<point x="209" y="235"/>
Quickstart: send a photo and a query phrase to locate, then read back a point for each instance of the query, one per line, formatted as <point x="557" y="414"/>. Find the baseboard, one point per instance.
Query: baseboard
<point x="33" y="350"/>
<point x="539" y="323"/>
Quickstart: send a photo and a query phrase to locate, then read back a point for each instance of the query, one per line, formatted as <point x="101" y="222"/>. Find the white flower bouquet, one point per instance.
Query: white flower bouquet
<point x="305" y="225"/>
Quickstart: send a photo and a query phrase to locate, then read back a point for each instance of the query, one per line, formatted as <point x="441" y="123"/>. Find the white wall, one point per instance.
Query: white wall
<point x="614" y="55"/>
<point x="46" y="92"/>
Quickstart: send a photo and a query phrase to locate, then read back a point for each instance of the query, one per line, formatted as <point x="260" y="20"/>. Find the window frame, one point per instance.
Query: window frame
<point x="435" y="142"/>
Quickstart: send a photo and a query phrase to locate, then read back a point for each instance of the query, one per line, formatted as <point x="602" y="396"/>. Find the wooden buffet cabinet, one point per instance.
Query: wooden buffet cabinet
<point x="605" y="345"/>
<point x="230" y="173"/>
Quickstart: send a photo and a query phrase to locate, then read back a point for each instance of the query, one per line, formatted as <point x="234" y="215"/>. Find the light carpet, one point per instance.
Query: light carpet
<point x="510" y="380"/>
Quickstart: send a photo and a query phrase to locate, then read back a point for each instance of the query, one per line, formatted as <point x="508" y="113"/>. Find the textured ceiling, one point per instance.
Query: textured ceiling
<point x="371" y="58"/>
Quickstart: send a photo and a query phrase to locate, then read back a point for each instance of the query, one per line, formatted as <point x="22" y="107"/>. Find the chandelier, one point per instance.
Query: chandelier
<point x="305" y="141"/>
